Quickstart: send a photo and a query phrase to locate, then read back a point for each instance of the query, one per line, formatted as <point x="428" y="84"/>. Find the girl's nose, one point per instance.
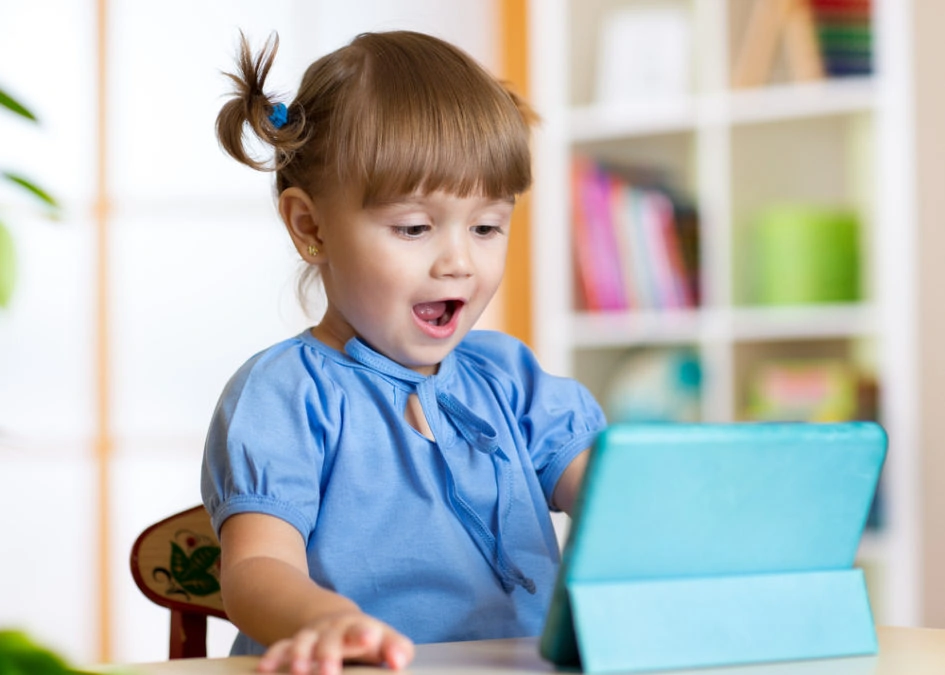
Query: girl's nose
<point x="454" y="259"/>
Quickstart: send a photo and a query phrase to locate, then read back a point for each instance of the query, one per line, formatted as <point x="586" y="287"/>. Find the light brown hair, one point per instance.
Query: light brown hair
<point x="391" y="113"/>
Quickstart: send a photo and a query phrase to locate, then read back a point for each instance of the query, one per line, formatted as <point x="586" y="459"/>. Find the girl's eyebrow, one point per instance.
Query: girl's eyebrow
<point x="420" y="200"/>
<point x="503" y="200"/>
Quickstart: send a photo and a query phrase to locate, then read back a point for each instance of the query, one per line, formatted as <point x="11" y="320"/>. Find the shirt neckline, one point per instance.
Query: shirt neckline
<point x="376" y="362"/>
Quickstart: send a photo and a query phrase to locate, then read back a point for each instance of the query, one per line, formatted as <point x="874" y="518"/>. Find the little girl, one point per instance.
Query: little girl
<point x="385" y="477"/>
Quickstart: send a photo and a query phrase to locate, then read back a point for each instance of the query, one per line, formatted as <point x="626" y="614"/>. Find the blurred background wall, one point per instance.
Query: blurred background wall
<point x="199" y="275"/>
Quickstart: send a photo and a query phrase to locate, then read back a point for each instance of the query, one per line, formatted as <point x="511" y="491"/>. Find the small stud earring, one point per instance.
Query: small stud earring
<point x="312" y="250"/>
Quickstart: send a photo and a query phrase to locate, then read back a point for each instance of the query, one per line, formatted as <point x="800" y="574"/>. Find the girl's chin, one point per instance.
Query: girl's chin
<point x="427" y="360"/>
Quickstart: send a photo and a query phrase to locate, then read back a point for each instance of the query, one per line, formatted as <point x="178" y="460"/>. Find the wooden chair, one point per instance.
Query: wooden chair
<point x="176" y="564"/>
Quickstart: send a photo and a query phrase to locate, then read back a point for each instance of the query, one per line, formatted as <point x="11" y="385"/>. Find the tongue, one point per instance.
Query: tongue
<point x="430" y="311"/>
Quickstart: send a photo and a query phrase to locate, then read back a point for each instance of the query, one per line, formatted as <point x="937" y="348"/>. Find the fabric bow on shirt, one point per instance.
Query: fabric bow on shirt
<point x="480" y="435"/>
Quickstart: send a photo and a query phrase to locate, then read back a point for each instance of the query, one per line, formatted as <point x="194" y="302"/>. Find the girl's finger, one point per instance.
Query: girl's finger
<point x="396" y="650"/>
<point x="301" y="649"/>
<point x="278" y="654"/>
<point x="362" y="642"/>
<point x="329" y="651"/>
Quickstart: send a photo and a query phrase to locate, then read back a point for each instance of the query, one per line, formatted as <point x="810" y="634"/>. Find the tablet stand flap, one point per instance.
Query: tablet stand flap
<point x="663" y="624"/>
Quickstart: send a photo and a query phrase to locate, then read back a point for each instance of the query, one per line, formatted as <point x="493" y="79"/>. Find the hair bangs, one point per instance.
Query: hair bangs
<point x="434" y="131"/>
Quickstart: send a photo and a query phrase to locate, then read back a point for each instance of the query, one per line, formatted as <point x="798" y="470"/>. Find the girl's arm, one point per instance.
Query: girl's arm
<point x="567" y="488"/>
<point x="269" y="595"/>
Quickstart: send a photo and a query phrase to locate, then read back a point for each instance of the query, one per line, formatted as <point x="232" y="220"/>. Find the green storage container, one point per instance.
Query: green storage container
<point x="806" y="254"/>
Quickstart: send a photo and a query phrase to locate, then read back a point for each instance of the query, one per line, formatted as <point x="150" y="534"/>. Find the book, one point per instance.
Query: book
<point x="686" y="222"/>
<point x="588" y="295"/>
<point x="679" y="275"/>
<point x="759" y="45"/>
<point x="599" y="253"/>
<point x="622" y="220"/>
<point x="845" y="36"/>
<point x="606" y="251"/>
<point x="843" y="7"/>
<point x="643" y="266"/>
<point x="802" y="44"/>
<point x="658" y="216"/>
<point x="630" y="249"/>
<point x="794" y="25"/>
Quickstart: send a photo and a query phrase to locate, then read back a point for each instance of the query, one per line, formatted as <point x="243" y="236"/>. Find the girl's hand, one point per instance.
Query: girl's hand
<point x="324" y="645"/>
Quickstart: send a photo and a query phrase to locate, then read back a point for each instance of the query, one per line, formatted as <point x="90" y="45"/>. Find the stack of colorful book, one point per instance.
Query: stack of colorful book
<point x="845" y="33"/>
<point x="819" y="38"/>
<point x="636" y="244"/>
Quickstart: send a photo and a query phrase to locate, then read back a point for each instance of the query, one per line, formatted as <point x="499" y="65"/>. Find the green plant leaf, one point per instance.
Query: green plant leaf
<point x="19" y="653"/>
<point x="32" y="188"/>
<point x="7" y="266"/>
<point x="12" y="104"/>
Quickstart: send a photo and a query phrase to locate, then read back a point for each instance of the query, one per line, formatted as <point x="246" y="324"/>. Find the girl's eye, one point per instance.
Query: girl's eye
<point x="487" y="230"/>
<point x="411" y="231"/>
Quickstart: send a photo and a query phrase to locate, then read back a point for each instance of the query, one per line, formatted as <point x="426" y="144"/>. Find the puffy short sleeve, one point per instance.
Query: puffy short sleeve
<point x="558" y="416"/>
<point x="263" y="451"/>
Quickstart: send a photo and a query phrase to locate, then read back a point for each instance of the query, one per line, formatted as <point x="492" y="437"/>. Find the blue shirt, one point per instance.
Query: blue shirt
<point x="444" y="540"/>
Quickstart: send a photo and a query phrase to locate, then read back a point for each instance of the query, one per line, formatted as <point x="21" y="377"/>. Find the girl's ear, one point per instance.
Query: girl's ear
<point x="301" y="219"/>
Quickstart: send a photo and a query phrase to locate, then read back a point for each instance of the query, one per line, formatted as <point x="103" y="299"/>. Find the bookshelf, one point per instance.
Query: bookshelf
<point x="838" y="141"/>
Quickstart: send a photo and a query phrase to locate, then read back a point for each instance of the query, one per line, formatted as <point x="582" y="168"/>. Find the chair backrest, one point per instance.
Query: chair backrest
<point x="176" y="564"/>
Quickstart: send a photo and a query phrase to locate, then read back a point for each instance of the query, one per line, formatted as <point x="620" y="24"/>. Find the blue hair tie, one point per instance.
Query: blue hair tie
<point x="279" y="115"/>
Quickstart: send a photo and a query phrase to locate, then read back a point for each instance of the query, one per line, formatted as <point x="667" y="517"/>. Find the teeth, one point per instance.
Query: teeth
<point x="446" y="316"/>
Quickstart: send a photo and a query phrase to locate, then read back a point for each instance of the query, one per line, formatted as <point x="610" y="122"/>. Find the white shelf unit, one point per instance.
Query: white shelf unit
<point x="840" y="141"/>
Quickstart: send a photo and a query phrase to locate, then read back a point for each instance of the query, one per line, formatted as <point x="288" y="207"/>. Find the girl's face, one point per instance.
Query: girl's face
<point x="411" y="277"/>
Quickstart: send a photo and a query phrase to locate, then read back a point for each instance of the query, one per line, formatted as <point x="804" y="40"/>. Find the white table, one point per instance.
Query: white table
<point x="902" y="651"/>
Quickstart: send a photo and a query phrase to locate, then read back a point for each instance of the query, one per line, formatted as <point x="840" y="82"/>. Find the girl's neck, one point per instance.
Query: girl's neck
<point x="323" y="333"/>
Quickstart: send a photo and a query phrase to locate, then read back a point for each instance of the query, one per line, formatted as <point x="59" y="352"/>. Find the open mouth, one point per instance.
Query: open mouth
<point x="438" y="313"/>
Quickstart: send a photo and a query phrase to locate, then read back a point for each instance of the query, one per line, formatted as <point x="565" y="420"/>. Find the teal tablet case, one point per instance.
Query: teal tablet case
<point x="717" y="544"/>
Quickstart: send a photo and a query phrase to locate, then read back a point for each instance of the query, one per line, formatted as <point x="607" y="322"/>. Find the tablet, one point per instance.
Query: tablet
<point x="673" y="501"/>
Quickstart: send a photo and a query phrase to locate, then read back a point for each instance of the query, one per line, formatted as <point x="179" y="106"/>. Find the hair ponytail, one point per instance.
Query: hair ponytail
<point x="387" y="115"/>
<point x="250" y="106"/>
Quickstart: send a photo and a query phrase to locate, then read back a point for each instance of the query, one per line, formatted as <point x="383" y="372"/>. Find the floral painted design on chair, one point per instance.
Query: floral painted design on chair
<point x="194" y="566"/>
